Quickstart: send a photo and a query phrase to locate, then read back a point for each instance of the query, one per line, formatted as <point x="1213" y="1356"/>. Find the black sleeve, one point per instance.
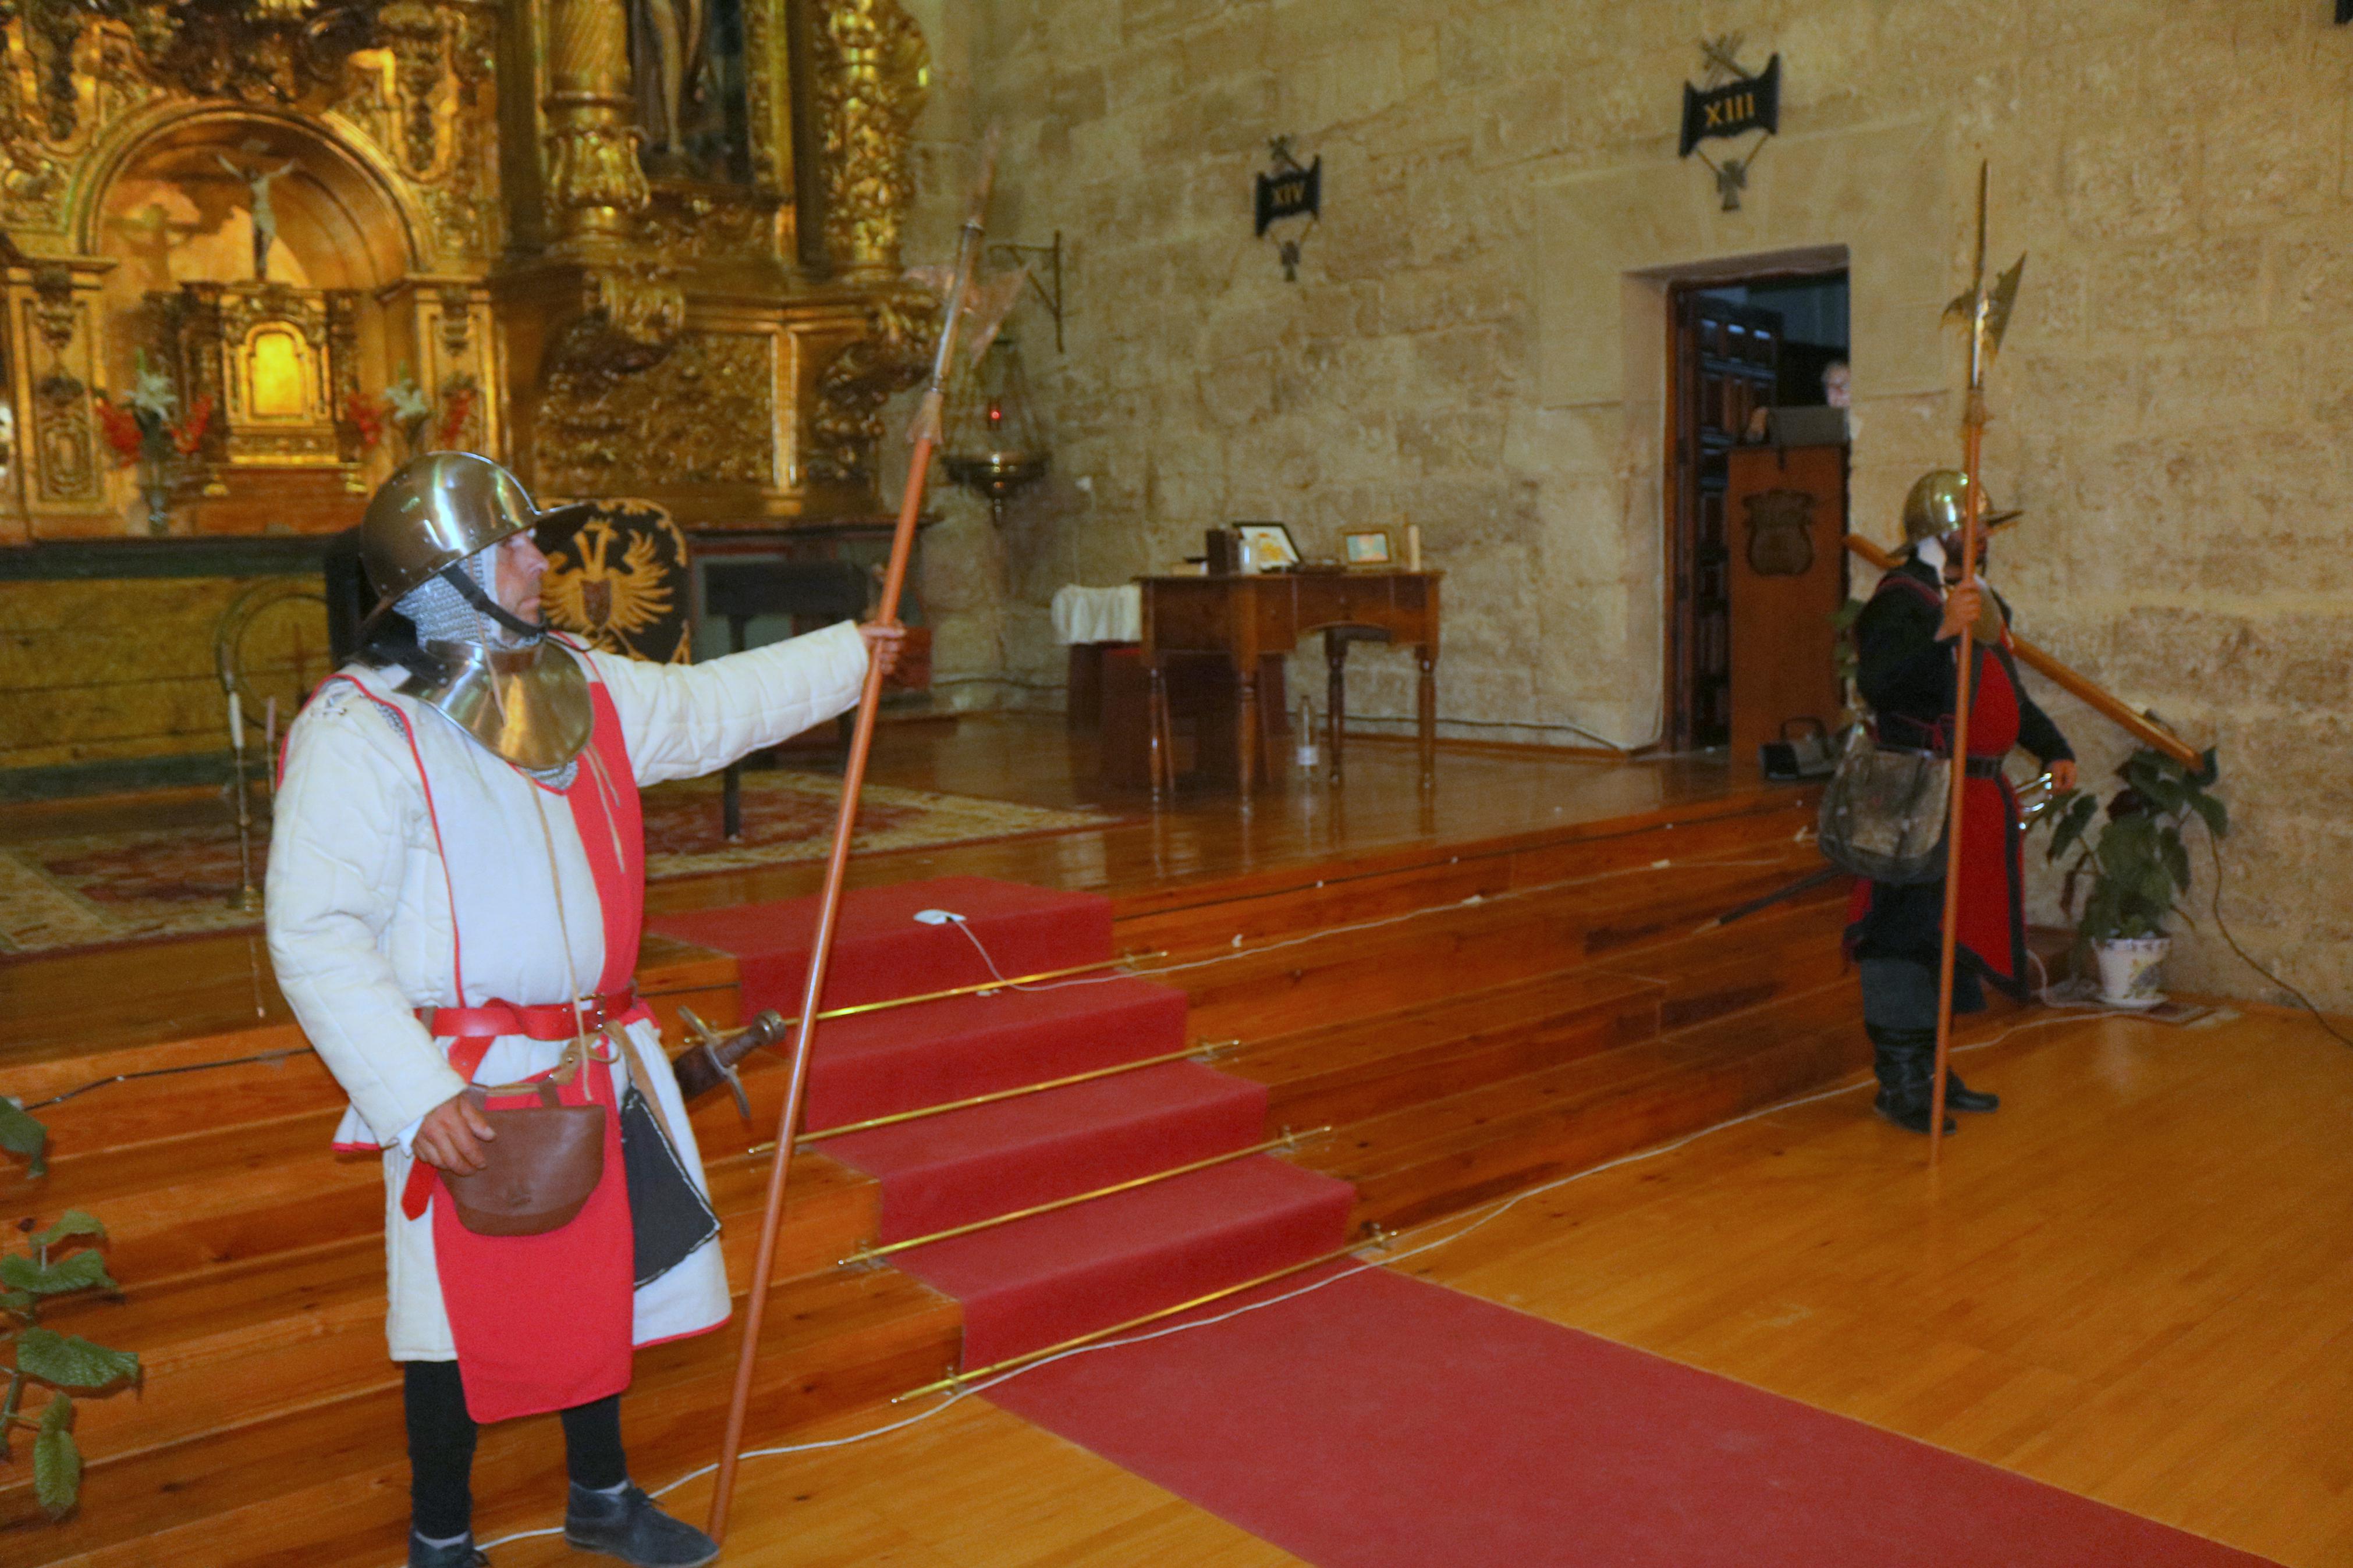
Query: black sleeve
<point x="2036" y="733"/>
<point x="1900" y="666"/>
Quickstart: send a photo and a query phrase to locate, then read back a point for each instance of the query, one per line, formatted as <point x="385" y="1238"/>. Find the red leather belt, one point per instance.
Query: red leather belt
<point x="471" y="1031"/>
<point x="547" y="1021"/>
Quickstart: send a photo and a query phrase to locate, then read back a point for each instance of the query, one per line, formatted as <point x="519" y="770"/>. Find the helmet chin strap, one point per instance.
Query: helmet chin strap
<point x="457" y="577"/>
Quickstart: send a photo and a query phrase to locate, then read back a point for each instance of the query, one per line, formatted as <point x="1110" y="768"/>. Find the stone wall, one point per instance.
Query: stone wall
<point x="1476" y="340"/>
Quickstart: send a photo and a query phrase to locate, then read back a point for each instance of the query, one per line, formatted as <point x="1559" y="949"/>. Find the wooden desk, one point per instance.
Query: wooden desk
<point x="1243" y="617"/>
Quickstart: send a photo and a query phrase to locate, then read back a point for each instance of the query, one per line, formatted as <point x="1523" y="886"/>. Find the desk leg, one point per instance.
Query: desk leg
<point x="1428" y="703"/>
<point x="1246" y="727"/>
<point x="1336" y="702"/>
<point x="1155" y="723"/>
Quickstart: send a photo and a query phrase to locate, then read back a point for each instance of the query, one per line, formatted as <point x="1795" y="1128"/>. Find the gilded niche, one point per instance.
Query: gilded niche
<point x="704" y="414"/>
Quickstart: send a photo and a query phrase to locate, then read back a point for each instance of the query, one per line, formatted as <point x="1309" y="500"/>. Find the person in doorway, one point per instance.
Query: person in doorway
<point x="456" y="880"/>
<point x="1905" y="642"/>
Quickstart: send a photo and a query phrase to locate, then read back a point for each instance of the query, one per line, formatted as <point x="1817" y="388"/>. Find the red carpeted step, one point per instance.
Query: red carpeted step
<point x="1038" y="1281"/>
<point x="882" y="951"/>
<point x="874" y="1063"/>
<point x="965" y="1166"/>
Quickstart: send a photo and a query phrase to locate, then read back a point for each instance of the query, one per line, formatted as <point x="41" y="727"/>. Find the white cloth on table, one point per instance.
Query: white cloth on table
<point x="1098" y="615"/>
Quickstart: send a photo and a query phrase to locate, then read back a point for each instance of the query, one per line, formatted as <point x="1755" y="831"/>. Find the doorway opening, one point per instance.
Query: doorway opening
<point x="1739" y="349"/>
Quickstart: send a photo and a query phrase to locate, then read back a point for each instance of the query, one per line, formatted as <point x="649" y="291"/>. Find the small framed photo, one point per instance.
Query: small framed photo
<point x="1266" y="547"/>
<point x="1368" y="548"/>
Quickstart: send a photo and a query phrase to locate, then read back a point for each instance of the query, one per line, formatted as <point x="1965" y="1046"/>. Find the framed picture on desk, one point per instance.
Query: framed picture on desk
<point x="1368" y="548"/>
<point x="1266" y="547"/>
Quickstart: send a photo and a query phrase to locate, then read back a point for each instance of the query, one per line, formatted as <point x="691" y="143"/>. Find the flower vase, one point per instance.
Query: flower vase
<point x="155" y="489"/>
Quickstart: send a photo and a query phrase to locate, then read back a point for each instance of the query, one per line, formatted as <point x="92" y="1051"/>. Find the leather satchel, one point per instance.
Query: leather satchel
<point x="537" y="1173"/>
<point x="1885" y="812"/>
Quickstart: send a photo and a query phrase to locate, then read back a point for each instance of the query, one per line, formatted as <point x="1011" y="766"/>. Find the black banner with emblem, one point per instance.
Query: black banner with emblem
<point x="1751" y="104"/>
<point x="1288" y="193"/>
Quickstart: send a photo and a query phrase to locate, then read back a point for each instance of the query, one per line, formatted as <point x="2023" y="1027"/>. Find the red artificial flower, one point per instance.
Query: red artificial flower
<point x="189" y="433"/>
<point x="456" y="408"/>
<point x="367" y="416"/>
<point x="120" y="427"/>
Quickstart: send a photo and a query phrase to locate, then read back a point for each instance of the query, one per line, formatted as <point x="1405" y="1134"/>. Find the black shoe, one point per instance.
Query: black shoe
<point x="1912" y="1115"/>
<point x="1905" y="1062"/>
<point x="458" y="1554"/>
<point x="631" y="1528"/>
<point x="1959" y="1095"/>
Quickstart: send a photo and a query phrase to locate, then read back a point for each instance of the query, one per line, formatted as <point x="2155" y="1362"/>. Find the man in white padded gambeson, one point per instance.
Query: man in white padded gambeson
<point x="457" y="880"/>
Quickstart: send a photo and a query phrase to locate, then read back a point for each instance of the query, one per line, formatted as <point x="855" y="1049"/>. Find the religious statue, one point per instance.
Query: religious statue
<point x="265" y="218"/>
<point x="670" y="38"/>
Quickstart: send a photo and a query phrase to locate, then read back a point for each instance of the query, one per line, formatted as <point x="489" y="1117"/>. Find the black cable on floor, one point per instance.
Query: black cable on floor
<point x="2248" y="959"/>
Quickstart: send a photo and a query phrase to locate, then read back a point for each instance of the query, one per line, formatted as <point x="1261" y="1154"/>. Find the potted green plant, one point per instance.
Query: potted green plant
<point x="2134" y="870"/>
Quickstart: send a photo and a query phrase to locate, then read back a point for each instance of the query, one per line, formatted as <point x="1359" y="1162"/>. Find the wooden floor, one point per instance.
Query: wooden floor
<point x="2132" y="1283"/>
<point x="2135" y="1282"/>
<point x="76" y="1003"/>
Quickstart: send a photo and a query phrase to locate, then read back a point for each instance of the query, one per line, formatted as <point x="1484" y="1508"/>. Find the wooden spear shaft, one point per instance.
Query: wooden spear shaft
<point x="853" y="777"/>
<point x="1964" y="655"/>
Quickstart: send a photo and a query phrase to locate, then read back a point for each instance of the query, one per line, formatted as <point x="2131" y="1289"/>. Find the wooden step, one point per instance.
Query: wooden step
<point x="1338" y="975"/>
<point x="1425" y="1160"/>
<point x="1347" y="1072"/>
<point x="833" y="1342"/>
<point x="1205" y="914"/>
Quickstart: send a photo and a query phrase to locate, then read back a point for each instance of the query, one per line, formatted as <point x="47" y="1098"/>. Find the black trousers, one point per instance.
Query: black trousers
<point x="441" y="1448"/>
<point x="1901" y="993"/>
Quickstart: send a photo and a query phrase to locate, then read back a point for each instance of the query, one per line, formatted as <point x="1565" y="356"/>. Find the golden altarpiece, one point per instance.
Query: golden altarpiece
<point x="643" y="247"/>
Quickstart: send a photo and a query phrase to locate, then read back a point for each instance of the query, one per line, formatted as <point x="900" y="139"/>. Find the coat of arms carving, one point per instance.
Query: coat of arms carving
<point x="1780" y="534"/>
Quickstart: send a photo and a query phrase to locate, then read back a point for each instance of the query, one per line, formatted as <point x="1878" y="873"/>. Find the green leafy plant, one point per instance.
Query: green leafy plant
<point x="2139" y="865"/>
<point x="41" y="1361"/>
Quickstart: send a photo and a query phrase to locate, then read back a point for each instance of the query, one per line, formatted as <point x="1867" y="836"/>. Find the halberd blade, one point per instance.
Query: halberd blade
<point x="2005" y="295"/>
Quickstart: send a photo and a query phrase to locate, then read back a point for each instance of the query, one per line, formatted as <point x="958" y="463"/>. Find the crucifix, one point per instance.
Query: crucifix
<point x="265" y="216"/>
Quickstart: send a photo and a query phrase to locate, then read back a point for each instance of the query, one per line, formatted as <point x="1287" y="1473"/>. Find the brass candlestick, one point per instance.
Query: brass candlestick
<point x="246" y="900"/>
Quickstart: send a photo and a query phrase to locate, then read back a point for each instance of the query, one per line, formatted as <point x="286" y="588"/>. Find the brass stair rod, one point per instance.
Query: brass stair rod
<point x="977" y="986"/>
<point x="1288" y="1140"/>
<point x="1206" y="1050"/>
<point x="958" y="1380"/>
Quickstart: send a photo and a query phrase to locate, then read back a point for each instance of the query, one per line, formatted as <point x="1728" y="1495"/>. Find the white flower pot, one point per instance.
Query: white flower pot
<point x="2128" y="969"/>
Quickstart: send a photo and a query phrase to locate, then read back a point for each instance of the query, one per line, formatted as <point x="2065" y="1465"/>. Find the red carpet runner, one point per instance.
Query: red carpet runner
<point x="1386" y="1422"/>
<point x="1031" y="1282"/>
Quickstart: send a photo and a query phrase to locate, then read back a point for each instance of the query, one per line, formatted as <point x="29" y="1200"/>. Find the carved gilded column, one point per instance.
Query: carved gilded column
<point x="595" y="186"/>
<point x="872" y="74"/>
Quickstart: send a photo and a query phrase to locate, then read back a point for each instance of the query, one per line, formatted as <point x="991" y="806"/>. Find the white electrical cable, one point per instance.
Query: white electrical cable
<point x="1494" y="1210"/>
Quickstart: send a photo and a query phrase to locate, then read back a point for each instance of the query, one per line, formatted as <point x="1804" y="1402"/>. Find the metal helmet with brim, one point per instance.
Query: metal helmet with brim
<point x="529" y="705"/>
<point x="1937" y="503"/>
<point x="435" y="511"/>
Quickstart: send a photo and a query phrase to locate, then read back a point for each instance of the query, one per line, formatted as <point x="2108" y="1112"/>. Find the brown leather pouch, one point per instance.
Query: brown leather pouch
<point x="538" y="1172"/>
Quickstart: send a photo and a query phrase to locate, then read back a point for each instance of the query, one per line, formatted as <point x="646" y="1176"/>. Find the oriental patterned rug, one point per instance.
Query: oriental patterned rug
<point x="104" y="889"/>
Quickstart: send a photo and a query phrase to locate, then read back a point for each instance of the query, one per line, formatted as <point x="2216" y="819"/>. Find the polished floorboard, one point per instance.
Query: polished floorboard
<point x="2135" y="1282"/>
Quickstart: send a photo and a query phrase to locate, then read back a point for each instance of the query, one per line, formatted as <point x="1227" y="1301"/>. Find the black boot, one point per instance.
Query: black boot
<point x="458" y="1554"/>
<point x="1905" y="1062"/>
<point x="1959" y="1095"/>
<point x="631" y="1528"/>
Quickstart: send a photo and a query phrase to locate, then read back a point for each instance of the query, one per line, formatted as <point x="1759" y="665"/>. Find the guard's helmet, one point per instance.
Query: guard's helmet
<point x="1936" y="506"/>
<point x="435" y="510"/>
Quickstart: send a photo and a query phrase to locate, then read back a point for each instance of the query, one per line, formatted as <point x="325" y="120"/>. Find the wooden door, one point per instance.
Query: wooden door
<point x="1725" y="362"/>
<point x="1787" y="507"/>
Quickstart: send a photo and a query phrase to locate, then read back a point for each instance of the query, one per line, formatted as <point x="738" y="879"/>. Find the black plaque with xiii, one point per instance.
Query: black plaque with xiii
<point x="1737" y="107"/>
